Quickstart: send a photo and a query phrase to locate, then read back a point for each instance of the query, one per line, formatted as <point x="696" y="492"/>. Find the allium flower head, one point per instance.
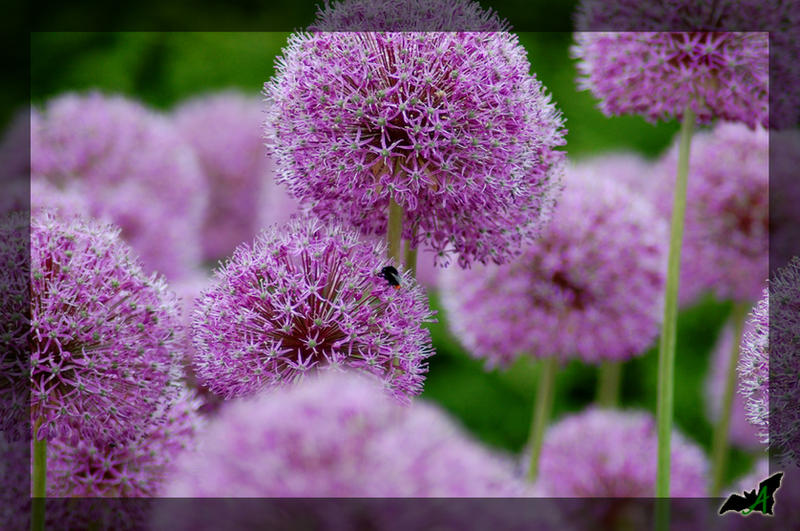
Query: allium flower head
<point x="102" y="338"/>
<point x="450" y="125"/>
<point x="225" y="130"/>
<point x="720" y="56"/>
<point x="132" y="166"/>
<point x="742" y="433"/>
<point x="769" y="364"/>
<point x="337" y="434"/>
<point x="657" y="74"/>
<point x="608" y="454"/>
<point x="305" y="296"/>
<point x="135" y="468"/>
<point x="589" y="287"/>
<point x="726" y="244"/>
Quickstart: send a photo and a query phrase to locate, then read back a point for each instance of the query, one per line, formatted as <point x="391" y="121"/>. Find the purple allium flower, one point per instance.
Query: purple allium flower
<point x="135" y="468"/>
<point x="132" y="166"/>
<point x="305" y="296"/>
<point x="450" y="125"/>
<point x="102" y="339"/>
<point x="657" y="74"/>
<point x="225" y="130"/>
<point x="337" y="434"/>
<point x="742" y="433"/>
<point x="726" y="68"/>
<point x="769" y="364"/>
<point x="726" y="243"/>
<point x="590" y="287"/>
<point x="605" y="453"/>
<point x="628" y="168"/>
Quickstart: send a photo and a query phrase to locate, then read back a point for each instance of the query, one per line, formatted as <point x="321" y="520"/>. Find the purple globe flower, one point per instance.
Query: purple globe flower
<point x="132" y="166"/>
<point x="451" y="126"/>
<point x="225" y="130"/>
<point x="742" y="433"/>
<point x="608" y="454"/>
<point x="590" y="287"/>
<point x="768" y="364"/>
<point x="725" y="64"/>
<point x="726" y="242"/>
<point x="337" y="435"/>
<point x="103" y="341"/>
<point x="305" y="296"/>
<point x="628" y="168"/>
<point x="135" y="468"/>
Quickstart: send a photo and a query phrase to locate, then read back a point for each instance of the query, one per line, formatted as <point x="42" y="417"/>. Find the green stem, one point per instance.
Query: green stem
<point x="719" y="447"/>
<point x="39" y="479"/>
<point x="394" y="233"/>
<point x="541" y="412"/>
<point x="666" y="347"/>
<point x="411" y="260"/>
<point x="610" y="375"/>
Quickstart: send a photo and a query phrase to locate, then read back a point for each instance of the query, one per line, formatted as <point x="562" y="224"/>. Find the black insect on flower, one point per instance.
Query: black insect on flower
<point x="392" y="276"/>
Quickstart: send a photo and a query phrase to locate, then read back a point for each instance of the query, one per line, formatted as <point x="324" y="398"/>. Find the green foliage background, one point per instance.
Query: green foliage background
<point x="162" y="69"/>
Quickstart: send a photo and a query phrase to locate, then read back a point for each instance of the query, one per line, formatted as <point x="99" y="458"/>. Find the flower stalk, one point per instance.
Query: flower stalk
<point x="39" y="479"/>
<point x="719" y="447"/>
<point x="666" y="350"/>
<point x="610" y="376"/>
<point x="394" y="233"/>
<point x="541" y="412"/>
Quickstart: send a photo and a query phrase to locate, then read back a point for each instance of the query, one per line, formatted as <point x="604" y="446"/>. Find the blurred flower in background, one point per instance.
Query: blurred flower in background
<point x="589" y="288"/>
<point x="306" y="296"/>
<point x="449" y="126"/>
<point x="726" y="237"/>
<point x="337" y="434"/>
<point x="132" y="166"/>
<point x="608" y="454"/>
<point x="225" y="129"/>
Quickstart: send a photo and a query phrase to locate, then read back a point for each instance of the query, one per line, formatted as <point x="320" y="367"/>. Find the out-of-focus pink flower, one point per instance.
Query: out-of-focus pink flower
<point x="132" y="166"/>
<point x="590" y="287"/>
<point x="337" y="434"/>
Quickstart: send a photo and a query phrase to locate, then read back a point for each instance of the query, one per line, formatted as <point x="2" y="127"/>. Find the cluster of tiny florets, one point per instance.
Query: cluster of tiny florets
<point x="225" y="130"/>
<point x="742" y="433"/>
<point x="451" y="126"/>
<point x="132" y="166"/>
<point x="133" y="468"/>
<point x="769" y="364"/>
<point x="608" y="454"/>
<point x="726" y="236"/>
<point x="338" y="435"/>
<point x="305" y="296"/>
<point x="590" y="287"/>
<point x="736" y="62"/>
<point x="102" y="337"/>
<point x="658" y="74"/>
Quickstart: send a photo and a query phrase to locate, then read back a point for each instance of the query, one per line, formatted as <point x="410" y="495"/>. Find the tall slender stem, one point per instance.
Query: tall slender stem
<point x="411" y="255"/>
<point x="610" y="375"/>
<point x="541" y="412"/>
<point x="394" y="233"/>
<point x="719" y="447"/>
<point x="666" y="347"/>
<point x="39" y="479"/>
